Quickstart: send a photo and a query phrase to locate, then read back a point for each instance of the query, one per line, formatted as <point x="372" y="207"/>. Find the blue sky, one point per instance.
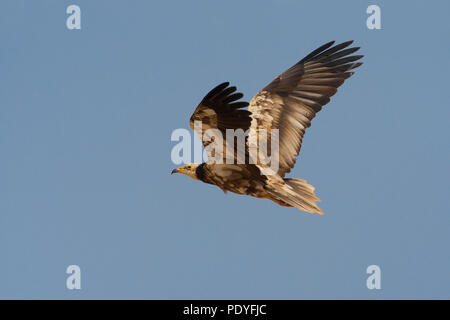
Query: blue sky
<point x="85" y="123"/>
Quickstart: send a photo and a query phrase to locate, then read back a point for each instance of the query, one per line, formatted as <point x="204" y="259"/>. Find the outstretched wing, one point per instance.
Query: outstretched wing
<point x="291" y="100"/>
<point x="220" y="110"/>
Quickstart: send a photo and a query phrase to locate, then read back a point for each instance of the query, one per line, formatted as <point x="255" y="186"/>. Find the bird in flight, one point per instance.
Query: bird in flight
<point x="287" y="104"/>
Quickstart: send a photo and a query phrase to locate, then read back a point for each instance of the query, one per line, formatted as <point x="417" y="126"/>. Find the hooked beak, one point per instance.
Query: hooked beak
<point x="174" y="171"/>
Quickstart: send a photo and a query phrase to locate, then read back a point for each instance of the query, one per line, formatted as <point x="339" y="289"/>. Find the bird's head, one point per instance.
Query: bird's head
<point x="188" y="170"/>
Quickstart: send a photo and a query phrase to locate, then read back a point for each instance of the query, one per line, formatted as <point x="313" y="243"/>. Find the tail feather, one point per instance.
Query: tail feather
<point x="297" y="193"/>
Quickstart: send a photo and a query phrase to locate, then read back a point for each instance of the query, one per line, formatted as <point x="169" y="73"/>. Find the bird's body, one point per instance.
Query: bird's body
<point x="238" y="178"/>
<point x="287" y="105"/>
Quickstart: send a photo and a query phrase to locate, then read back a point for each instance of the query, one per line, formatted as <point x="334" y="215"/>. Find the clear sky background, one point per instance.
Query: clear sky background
<point x="85" y="123"/>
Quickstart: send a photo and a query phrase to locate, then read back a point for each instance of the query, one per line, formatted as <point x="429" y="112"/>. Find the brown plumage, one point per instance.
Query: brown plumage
<point x="288" y="104"/>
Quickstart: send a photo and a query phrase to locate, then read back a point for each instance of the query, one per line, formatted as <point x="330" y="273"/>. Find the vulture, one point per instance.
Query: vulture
<point x="285" y="106"/>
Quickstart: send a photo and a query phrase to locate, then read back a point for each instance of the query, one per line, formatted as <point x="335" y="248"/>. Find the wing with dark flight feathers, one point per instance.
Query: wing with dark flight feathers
<point x="220" y="109"/>
<point x="292" y="99"/>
